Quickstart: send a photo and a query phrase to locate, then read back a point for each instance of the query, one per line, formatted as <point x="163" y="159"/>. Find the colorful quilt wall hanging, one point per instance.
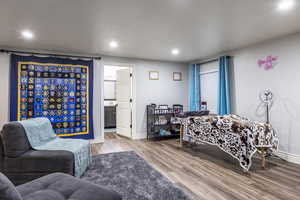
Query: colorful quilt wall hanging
<point x="56" y="88"/>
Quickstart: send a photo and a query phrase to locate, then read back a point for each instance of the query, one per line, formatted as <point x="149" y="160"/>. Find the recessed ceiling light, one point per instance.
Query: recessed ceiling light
<point x="27" y="34"/>
<point x="113" y="44"/>
<point x="284" y="5"/>
<point x="175" y="51"/>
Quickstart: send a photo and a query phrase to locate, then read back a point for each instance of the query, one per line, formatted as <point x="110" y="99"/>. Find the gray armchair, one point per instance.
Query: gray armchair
<point x="21" y="164"/>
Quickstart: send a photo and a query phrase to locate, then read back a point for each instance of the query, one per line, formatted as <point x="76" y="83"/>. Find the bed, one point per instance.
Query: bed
<point x="238" y="136"/>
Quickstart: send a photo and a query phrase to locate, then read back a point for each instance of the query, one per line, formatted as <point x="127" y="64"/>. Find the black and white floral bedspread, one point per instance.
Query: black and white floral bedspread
<point x="235" y="135"/>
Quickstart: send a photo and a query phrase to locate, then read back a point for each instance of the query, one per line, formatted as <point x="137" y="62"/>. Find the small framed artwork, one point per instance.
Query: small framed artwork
<point x="153" y="75"/>
<point x="177" y="76"/>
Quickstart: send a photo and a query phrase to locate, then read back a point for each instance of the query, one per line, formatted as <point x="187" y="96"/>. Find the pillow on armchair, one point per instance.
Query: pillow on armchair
<point x="7" y="190"/>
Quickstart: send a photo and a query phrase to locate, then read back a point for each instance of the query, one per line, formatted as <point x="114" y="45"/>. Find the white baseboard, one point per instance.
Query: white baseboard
<point x="293" y="158"/>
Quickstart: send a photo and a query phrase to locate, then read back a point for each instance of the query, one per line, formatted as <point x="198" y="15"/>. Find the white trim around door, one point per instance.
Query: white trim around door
<point x="132" y="66"/>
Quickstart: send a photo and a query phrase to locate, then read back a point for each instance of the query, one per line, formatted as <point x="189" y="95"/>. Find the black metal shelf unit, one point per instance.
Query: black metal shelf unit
<point x="161" y="121"/>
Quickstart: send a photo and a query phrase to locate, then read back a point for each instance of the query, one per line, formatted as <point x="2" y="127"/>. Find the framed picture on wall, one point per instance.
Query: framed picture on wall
<point x="177" y="76"/>
<point x="153" y="75"/>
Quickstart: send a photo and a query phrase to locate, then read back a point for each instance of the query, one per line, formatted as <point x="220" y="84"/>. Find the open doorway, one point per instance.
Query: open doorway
<point x="118" y="100"/>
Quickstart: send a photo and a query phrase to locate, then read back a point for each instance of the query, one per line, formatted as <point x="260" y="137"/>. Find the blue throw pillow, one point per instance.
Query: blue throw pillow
<point x="7" y="190"/>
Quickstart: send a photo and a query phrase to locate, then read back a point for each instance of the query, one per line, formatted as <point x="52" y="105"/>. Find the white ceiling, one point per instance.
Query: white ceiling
<point x="144" y="28"/>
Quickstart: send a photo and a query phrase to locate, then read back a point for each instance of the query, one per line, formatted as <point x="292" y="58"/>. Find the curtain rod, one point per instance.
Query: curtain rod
<point x="48" y="54"/>
<point x="206" y="61"/>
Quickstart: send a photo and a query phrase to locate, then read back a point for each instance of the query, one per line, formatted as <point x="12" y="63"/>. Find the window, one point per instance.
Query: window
<point x="209" y="80"/>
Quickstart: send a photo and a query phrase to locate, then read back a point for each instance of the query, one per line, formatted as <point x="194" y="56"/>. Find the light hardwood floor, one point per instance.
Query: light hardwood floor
<point x="207" y="173"/>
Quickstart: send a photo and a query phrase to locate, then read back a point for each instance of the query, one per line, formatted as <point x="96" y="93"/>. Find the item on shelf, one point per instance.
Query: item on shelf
<point x="177" y="108"/>
<point x="175" y="120"/>
<point x="153" y="105"/>
<point x="161" y="121"/>
<point x="203" y="105"/>
<point x="176" y="129"/>
<point x="163" y="132"/>
<point x="161" y="111"/>
<point x="163" y="106"/>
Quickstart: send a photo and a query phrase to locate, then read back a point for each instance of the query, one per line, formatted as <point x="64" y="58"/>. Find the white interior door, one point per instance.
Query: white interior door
<point x="124" y="106"/>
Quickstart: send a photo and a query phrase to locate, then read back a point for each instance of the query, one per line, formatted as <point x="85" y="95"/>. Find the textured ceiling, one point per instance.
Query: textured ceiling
<point x="144" y="28"/>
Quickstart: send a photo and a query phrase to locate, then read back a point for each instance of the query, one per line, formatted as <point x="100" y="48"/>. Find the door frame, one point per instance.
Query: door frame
<point x="132" y="66"/>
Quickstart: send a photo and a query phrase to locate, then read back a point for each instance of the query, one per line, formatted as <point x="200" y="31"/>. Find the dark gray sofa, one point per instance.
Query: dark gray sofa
<point x="21" y="164"/>
<point x="56" y="186"/>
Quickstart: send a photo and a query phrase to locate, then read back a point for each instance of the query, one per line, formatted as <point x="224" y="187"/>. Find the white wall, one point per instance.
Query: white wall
<point x="162" y="91"/>
<point x="283" y="80"/>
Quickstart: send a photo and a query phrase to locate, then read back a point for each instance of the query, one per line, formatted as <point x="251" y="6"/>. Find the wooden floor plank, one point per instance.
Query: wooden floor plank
<point x="207" y="173"/>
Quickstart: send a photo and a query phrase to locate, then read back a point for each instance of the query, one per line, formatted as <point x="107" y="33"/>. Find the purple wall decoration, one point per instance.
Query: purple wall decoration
<point x="268" y="63"/>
